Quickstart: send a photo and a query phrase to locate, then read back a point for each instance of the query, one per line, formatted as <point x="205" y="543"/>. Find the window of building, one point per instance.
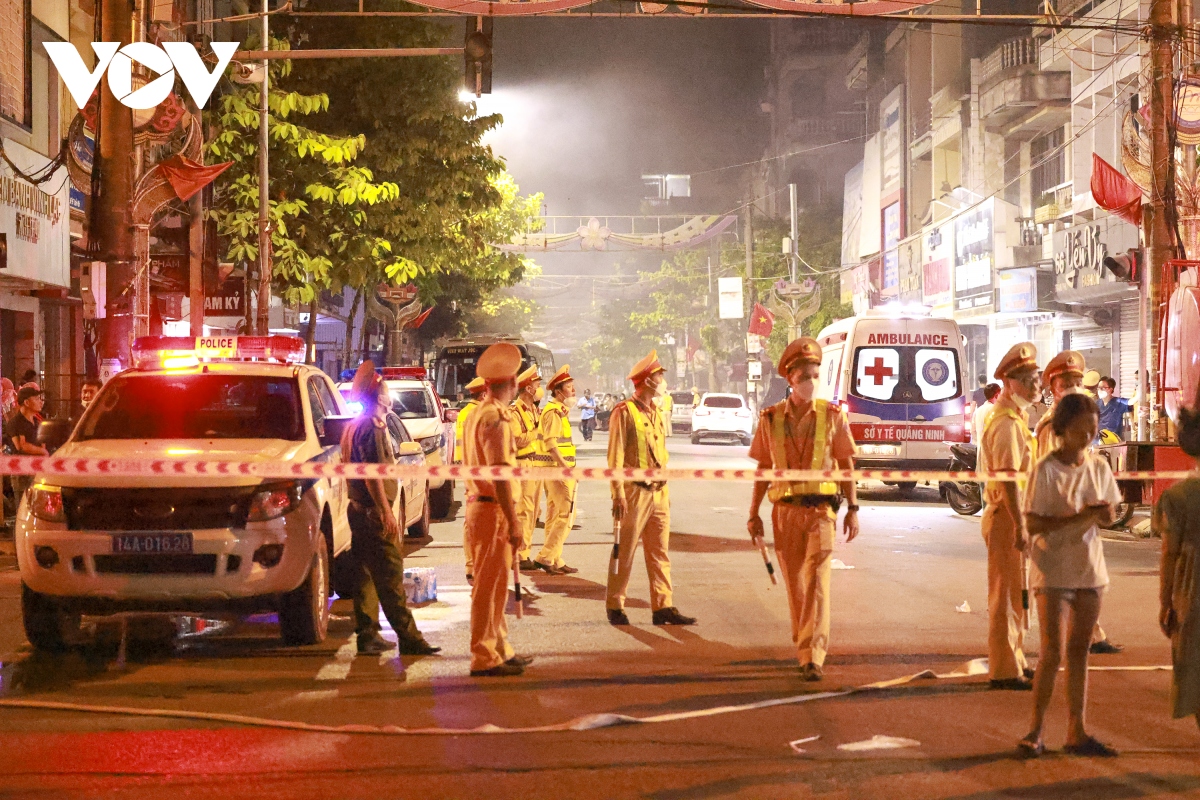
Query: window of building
<point x="15" y="69"/>
<point x="1047" y="159"/>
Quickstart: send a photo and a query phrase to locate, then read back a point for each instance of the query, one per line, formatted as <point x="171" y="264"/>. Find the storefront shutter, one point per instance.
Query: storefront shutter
<point x="1130" y="334"/>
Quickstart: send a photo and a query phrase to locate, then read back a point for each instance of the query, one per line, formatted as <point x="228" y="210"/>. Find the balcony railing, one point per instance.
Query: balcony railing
<point x="840" y="127"/>
<point x="1013" y="53"/>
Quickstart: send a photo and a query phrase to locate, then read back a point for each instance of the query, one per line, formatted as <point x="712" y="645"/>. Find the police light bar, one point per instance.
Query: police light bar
<point x="183" y="351"/>
<point x="402" y="373"/>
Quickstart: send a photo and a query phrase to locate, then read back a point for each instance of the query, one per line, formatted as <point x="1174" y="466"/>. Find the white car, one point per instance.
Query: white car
<point x="682" y="405"/>
<point x="176" y="544"/>
<point x="723" y="416"/>
<point x="420" y="409"/>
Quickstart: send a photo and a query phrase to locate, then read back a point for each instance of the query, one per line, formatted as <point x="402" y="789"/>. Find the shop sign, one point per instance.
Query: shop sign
<point x="729" y="298"/>
<point x="974" y="243"/>
<point x="910" y="270"/>
<point x="937" y="269"/>
<point x="1079" y="252"/>
<point x="36" y="223"/>
<point x="1016" y="289"/>
<point x="227" y="301"/>
<point x="889" y="286"/>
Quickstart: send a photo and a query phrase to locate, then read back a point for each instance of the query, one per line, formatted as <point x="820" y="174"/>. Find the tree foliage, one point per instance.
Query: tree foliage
<point x="675" y="299"/>
<point x="455" y="199"/>
<point x="319" y="192"/>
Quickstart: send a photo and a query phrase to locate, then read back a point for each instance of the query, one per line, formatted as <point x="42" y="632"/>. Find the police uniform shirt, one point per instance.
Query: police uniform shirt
<point x="800" y="424"/>
<point x="622" y="437"/>
<point x="370" y="444"/>
<point x="1006" y="441"/>
<point x="489" y="442"/>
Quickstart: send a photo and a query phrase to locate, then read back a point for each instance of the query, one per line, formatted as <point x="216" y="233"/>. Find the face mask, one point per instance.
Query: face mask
<point x="1104" y="394"/>
<point x="805" y="388"/>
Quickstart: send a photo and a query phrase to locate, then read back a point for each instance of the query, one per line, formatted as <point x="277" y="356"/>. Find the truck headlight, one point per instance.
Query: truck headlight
<point x="274" y="501"/>
<point x="430" y="443"/>
<point x="46" y="503"/>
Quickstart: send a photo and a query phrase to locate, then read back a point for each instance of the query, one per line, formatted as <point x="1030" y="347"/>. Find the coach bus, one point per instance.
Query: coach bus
<point x="898" y="373"/>
<point x="454" y="366"/>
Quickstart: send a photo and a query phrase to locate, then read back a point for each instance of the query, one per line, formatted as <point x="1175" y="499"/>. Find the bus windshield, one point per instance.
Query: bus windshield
<point x="906" y="374"/>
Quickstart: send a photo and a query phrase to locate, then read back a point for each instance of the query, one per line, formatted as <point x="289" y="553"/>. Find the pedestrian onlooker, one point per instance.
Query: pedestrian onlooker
<point x="1071" y="495"/>
<point x="1177" y="520"/>
<point x="29" y="376"/>
<point x="979" y="396"/>
<point x="1112" y="408"/>
<point x="979" y="419"/>
<point x="8" y="398"/>
<point x="587" y="414"/>
<point x="21" y="434"/>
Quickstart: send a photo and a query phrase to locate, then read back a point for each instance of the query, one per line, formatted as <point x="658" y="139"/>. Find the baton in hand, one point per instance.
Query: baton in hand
<point x="517" y="588"/>
<point x="762" y="548"/>
<point x="616" y="553"/>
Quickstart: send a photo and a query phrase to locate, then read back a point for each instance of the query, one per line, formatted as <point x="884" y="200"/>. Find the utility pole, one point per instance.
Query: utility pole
<point x="1160" y="244"/>
<point x="793" y="256"/>
<point x="264" y="196"/>
<point x="750" y="252"/>
<point x="113" y="226"/>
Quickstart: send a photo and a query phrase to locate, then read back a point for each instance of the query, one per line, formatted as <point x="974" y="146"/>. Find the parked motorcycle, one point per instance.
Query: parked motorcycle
<point x="965" y="497"/>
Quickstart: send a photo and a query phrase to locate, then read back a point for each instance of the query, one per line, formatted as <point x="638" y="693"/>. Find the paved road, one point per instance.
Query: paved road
<point x="894" y="615"/>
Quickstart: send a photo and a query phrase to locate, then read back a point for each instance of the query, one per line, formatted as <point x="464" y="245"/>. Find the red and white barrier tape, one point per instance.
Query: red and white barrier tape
<point x="153" y="468"/>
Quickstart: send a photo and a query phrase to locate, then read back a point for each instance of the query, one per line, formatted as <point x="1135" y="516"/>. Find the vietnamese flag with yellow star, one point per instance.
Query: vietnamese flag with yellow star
<point x="761" y="321"/>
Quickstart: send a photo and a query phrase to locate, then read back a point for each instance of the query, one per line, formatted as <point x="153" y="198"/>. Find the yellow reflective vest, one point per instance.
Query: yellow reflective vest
<point x="566" y="447"/>
<point x="460" y="424"/>
<point x="529" y="440"/>
<point x="775" y="416"/>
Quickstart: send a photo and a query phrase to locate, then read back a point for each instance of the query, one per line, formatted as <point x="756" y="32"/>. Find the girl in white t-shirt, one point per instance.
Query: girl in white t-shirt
<point x="1071" y="494"/>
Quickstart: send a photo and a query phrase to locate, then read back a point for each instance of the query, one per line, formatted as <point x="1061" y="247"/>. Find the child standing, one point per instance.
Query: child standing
<point x="1071" y="494"/>
<point x="1177" y="520"/>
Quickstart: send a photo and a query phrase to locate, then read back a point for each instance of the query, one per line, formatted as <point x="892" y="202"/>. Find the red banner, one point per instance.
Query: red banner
<point x="1114" y="192"/>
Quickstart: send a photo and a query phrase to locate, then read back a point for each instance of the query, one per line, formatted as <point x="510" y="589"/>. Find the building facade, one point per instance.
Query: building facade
<point x="980" y="151"/>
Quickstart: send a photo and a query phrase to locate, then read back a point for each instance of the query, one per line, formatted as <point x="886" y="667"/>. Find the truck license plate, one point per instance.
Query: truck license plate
<point x="150" y="543"/>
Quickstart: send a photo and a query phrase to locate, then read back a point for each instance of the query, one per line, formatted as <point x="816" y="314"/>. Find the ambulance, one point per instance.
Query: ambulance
<point x="898" y="374"/>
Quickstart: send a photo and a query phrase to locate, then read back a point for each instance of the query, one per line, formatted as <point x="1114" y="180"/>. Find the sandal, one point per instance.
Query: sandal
<point x="1090" y="747"/>
<point x="1028" y="748"/>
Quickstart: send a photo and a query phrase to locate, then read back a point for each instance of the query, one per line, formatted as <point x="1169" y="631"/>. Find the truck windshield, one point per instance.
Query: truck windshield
<point x="906" y="374"/>
<point x="200" y="406"/>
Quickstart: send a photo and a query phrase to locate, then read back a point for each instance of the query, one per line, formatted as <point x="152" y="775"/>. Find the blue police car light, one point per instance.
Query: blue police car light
<point x="354" y="407"/>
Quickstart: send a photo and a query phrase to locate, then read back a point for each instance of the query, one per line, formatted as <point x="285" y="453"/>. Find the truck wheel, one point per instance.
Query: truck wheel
<point x="440" y="501"/>
<point x="304" y="611"/>
<point x="48" y="627"/>
<point x="420" y="528"/>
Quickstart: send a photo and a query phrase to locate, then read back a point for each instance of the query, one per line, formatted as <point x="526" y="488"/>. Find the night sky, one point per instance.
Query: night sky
<point x="592" y="104"/>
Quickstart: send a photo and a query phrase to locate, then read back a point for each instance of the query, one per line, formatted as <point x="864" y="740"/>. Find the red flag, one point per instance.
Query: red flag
<point x="762" y="321"/>
<point x="1114" y="192"/>
<point x="188" y="177"/>
<point x="416" y="323"/>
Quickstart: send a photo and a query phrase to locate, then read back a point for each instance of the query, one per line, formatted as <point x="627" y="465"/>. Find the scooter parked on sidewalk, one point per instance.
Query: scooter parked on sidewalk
<point x="965" y="497"/>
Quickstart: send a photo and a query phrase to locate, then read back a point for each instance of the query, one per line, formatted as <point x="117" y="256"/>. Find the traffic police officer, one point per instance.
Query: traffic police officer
<point x="642" y="509"/>
<point x="560" y="494"/>
<point x="802" y="432"/>
<point x="1064" y="374"/>
<point x="491" y="523"/>
<point x="374" y="529"/>
<point x="1008" y="444"/>
<point x="475" y="389"/>
<point x="528" y="441"/>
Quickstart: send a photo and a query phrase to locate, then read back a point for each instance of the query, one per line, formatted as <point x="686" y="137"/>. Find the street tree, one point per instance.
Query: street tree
<point x="319" y="195"/>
